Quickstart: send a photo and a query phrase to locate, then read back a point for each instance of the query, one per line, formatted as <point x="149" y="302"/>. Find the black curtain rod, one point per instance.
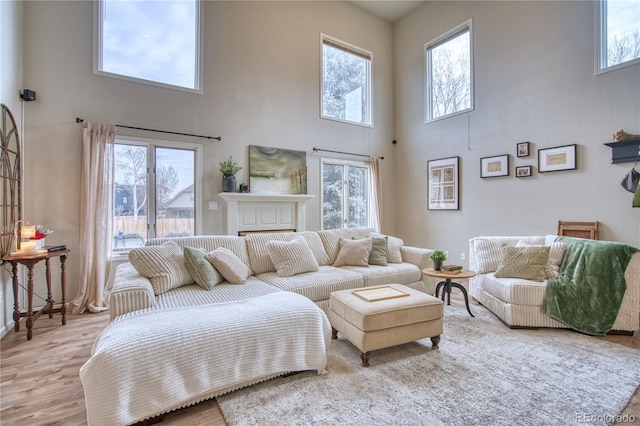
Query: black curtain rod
<point x="219" y="138"/>
<point x="342" y="152"/>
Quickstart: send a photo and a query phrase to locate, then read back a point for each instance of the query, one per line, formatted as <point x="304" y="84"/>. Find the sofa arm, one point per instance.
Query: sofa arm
<point x="420" y="258"/>
<point x="417" y="256"/>
<point x="131" y="292"/>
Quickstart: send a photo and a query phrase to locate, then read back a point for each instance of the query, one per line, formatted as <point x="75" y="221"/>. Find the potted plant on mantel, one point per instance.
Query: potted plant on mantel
<point x="228" y="169"/>
<point x="438" y="256"/>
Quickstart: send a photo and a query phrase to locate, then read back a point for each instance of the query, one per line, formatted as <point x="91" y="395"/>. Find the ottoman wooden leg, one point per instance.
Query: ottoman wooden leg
<point x="365" y="358"/>
<point x="435" y="340"/>
<point x="334" y="333"/>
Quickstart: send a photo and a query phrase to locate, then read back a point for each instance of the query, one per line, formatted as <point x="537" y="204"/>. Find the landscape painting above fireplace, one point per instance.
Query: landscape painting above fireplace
<point x="277" y="171"/>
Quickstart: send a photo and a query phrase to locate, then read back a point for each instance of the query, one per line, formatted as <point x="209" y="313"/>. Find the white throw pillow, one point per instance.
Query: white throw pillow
<point x="163" y="265"/>
<point x="354" y="252"/>
<point x="229" y="265"/>
<point x="556" y="254"/>
<point x="292" y="257"/>
<point x="394" y="247"/>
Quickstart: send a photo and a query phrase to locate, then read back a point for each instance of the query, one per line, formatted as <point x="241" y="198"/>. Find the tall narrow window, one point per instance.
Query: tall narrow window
<point x="345" y="195"/>
<point x="449" y="71"/>
<point x="346" y="82"/>
<point x="619" y="33"/>
<point x="156" y="42"/>
<point x="154" y="192"/>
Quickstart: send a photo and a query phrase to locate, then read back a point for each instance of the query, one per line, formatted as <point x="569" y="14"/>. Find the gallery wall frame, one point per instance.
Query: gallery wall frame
<point x="524" y="171"/>
<point x="522" y="149"/>
<point x="495" y="166"/>
<point x="443" y="184"/>
<point x="557" y="158"/>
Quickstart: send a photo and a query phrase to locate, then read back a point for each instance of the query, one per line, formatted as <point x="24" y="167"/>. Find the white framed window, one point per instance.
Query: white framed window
<point x="345" y="194"/>
<point x="618" y="34"/>
<point x="449" y="73"/>
<point x="346" y="82"/>
<point x="153" y="42"/>
<point x="156" y="191"/>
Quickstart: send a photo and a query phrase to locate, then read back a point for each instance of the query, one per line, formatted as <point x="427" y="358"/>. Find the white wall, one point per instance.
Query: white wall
<point x="10" y="87"/>
<point x="261" y="87"/>
<point x="534" y="81"/>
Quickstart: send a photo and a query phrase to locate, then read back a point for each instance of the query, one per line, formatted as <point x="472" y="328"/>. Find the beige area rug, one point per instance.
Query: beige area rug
<point x="483" y="374"/>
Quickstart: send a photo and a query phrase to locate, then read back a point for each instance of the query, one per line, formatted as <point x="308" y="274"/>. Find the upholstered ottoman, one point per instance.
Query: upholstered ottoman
<point x="373" y="318"/>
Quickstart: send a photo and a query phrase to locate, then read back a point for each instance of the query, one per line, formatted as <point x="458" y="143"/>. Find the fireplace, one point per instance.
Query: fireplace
<point x="264" y="212"/>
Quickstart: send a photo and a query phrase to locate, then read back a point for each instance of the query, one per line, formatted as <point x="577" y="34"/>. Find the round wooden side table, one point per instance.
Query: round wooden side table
<point x="448" y="283"/>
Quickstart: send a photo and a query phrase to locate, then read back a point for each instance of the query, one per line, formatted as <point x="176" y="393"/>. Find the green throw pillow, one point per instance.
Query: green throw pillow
<point x="379" y="251"/>
<point x="527" y="263"/>
<point x="201" y="270"/>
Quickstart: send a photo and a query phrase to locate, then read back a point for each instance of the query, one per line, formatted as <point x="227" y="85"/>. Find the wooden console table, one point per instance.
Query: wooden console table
<point x="30" y="260"/>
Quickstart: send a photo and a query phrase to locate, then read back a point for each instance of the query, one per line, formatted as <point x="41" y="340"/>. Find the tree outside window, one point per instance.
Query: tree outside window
<point x="346" y="86"/>
<point x="153" y="193"/>
<point x="449" y="71"/>
<point x="619" y="32"/>
<point x="345" y="195"/>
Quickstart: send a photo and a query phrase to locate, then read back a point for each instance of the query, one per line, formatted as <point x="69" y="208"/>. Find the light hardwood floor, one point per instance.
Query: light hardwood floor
<point x="40" y="382"/>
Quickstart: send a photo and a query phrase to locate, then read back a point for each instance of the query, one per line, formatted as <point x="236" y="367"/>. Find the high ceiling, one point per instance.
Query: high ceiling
<point x="390" y="10"/>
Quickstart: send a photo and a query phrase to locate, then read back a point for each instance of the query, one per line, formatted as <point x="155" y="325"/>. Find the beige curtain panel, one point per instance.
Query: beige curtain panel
<point x="96" y="216"/>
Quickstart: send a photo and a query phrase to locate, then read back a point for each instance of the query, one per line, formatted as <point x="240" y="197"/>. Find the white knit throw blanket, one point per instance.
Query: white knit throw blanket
<point x="155" y="362"/>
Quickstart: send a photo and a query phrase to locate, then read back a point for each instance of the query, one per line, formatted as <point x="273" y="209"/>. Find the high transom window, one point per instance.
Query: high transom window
<point x="156" y="42"/>
<point x="346" y="82"/>
<point x="449" y="73"/>
<point x="619" y="33"/>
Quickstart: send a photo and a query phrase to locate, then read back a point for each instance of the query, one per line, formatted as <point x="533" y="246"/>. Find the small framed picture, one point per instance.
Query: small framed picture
<point x="557" y="158"/>
<point x="494" y="166"/>
<point x="443" y="179"/>
<point x="524" y="171"/>
<point x="522" y="149"/>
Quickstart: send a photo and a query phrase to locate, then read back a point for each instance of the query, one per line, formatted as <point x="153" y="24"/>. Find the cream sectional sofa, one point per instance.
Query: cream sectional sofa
<point x="518" y="302"/>
<point x="189" y="343"/>
<point x="132" y="292"/>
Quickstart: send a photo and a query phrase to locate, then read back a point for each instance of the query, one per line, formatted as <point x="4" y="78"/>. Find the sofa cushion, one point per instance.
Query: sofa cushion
<point x="523" y="262"/>
<point x="331" y="239"/>
<point x="393" y="273"/>
<point x="516" y="291"/>
<point x="354" y="252"/>
<point x="201" y="270"/>
<point x="229" y="265"/>
<point x="291" y="257"/>
<point x="163" y="265"/>
<point x="556" y="254"/>
<point x="394" y="247"/>
<point x="316" y="286"/>
<point x="487" y="251"/>
<point x="236" y="244"/>
<point x="259" y="256"/>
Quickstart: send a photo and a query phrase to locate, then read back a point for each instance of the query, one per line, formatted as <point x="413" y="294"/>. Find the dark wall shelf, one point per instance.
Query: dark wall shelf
<point x="625" y="151"/>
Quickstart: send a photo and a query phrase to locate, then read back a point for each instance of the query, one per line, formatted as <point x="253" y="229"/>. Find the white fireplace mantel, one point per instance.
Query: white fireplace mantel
<point x="264" y="212"/>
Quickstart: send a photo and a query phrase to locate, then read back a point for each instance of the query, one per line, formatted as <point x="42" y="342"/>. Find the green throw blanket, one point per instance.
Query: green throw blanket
<point x="588" y="293"/>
